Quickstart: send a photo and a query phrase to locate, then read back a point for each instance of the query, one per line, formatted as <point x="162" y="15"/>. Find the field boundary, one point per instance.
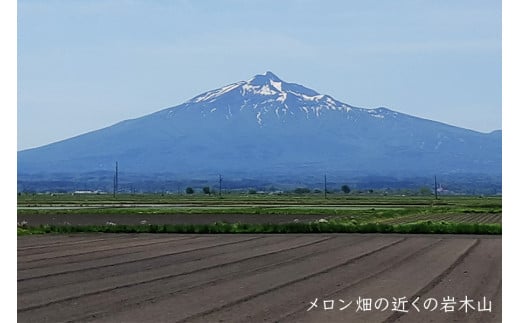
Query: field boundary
<point x="314" y="227"/>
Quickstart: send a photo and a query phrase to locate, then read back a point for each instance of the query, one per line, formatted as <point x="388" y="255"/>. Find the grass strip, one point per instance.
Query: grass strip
<point x="383" y="212"/>
<point x="222" y="227"/>
<point x="27" y="200"/>
<point x="216" y="210"/>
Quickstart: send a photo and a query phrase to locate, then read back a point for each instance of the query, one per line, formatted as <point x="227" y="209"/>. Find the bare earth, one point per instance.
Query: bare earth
<point x="135" y="219"/>
<point x="259" y="278"/>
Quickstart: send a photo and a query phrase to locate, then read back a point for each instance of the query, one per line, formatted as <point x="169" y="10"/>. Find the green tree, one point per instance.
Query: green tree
<point x="345" y="189"/>
<point x="206" y="190"/>
<point x="302" y="190"/>
<point x="189" y="190"/>
<point x="425" y="190"/>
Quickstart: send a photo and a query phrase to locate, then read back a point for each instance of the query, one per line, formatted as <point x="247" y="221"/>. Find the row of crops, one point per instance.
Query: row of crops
<point x="454" y="218"/>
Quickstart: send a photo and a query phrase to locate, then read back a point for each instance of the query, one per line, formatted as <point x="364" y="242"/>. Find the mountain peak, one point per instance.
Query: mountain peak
<point x="272" y="76"/>
<point x="265" y="78"/>
<point x="267" y="84"/>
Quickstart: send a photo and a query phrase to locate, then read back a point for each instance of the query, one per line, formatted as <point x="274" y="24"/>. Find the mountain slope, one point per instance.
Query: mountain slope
<point x="268" y="126"/>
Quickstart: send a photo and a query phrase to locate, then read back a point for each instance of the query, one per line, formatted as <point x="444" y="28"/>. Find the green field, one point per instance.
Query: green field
<point x="344" y="213"/>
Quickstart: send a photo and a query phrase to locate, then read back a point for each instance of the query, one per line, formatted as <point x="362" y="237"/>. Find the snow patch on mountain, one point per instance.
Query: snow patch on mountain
<point x="282" y="97"/>
<point x="212" y="95"/>
<point x="267" y="95"/>
<point x="276" y="85"/>
<point x="259" y="118"/>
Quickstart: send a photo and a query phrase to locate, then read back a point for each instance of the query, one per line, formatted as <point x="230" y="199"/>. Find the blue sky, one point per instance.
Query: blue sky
<point x="84" y="65"/>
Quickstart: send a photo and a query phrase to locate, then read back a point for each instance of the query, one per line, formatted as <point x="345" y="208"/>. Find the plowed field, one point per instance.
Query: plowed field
<point x="256" y="278"/>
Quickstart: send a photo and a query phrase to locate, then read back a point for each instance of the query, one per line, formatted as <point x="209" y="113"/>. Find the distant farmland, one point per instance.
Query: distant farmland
<point x="290" y="211"/>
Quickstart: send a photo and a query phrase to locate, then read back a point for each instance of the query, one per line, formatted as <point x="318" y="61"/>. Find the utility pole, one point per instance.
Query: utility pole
<point x="117" y="177"/>
<point x="325" y="185"/>
<point x="219" y="185"/>
<point x="436" y="187"/>
<point x="116" y="180"/>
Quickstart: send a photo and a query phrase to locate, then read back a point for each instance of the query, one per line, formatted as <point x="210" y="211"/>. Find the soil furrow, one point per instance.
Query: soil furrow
<point x="258" y="277"/>
<point x="72" y="256"/>
<point x="460" y="282"/>
<point x="292" y="298"/>
<point x="435" y="281"/>
<point x="253" y="285"/>
<point x="402" y="280"/>
<point x="134" y="258"/>
<point x="35" y="241"/>
<point x="137" y="279"/>
<point x="146" y="265"/>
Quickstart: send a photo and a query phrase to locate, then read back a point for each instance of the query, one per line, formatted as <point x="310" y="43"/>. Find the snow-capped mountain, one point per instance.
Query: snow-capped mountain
<point x="265" y="126"/>
<point x="270" y="99"/>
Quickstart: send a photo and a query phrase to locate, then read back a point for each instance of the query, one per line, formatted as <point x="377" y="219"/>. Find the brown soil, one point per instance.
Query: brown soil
<point x="134" y="219"/>
<point x="254" y="277"/>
